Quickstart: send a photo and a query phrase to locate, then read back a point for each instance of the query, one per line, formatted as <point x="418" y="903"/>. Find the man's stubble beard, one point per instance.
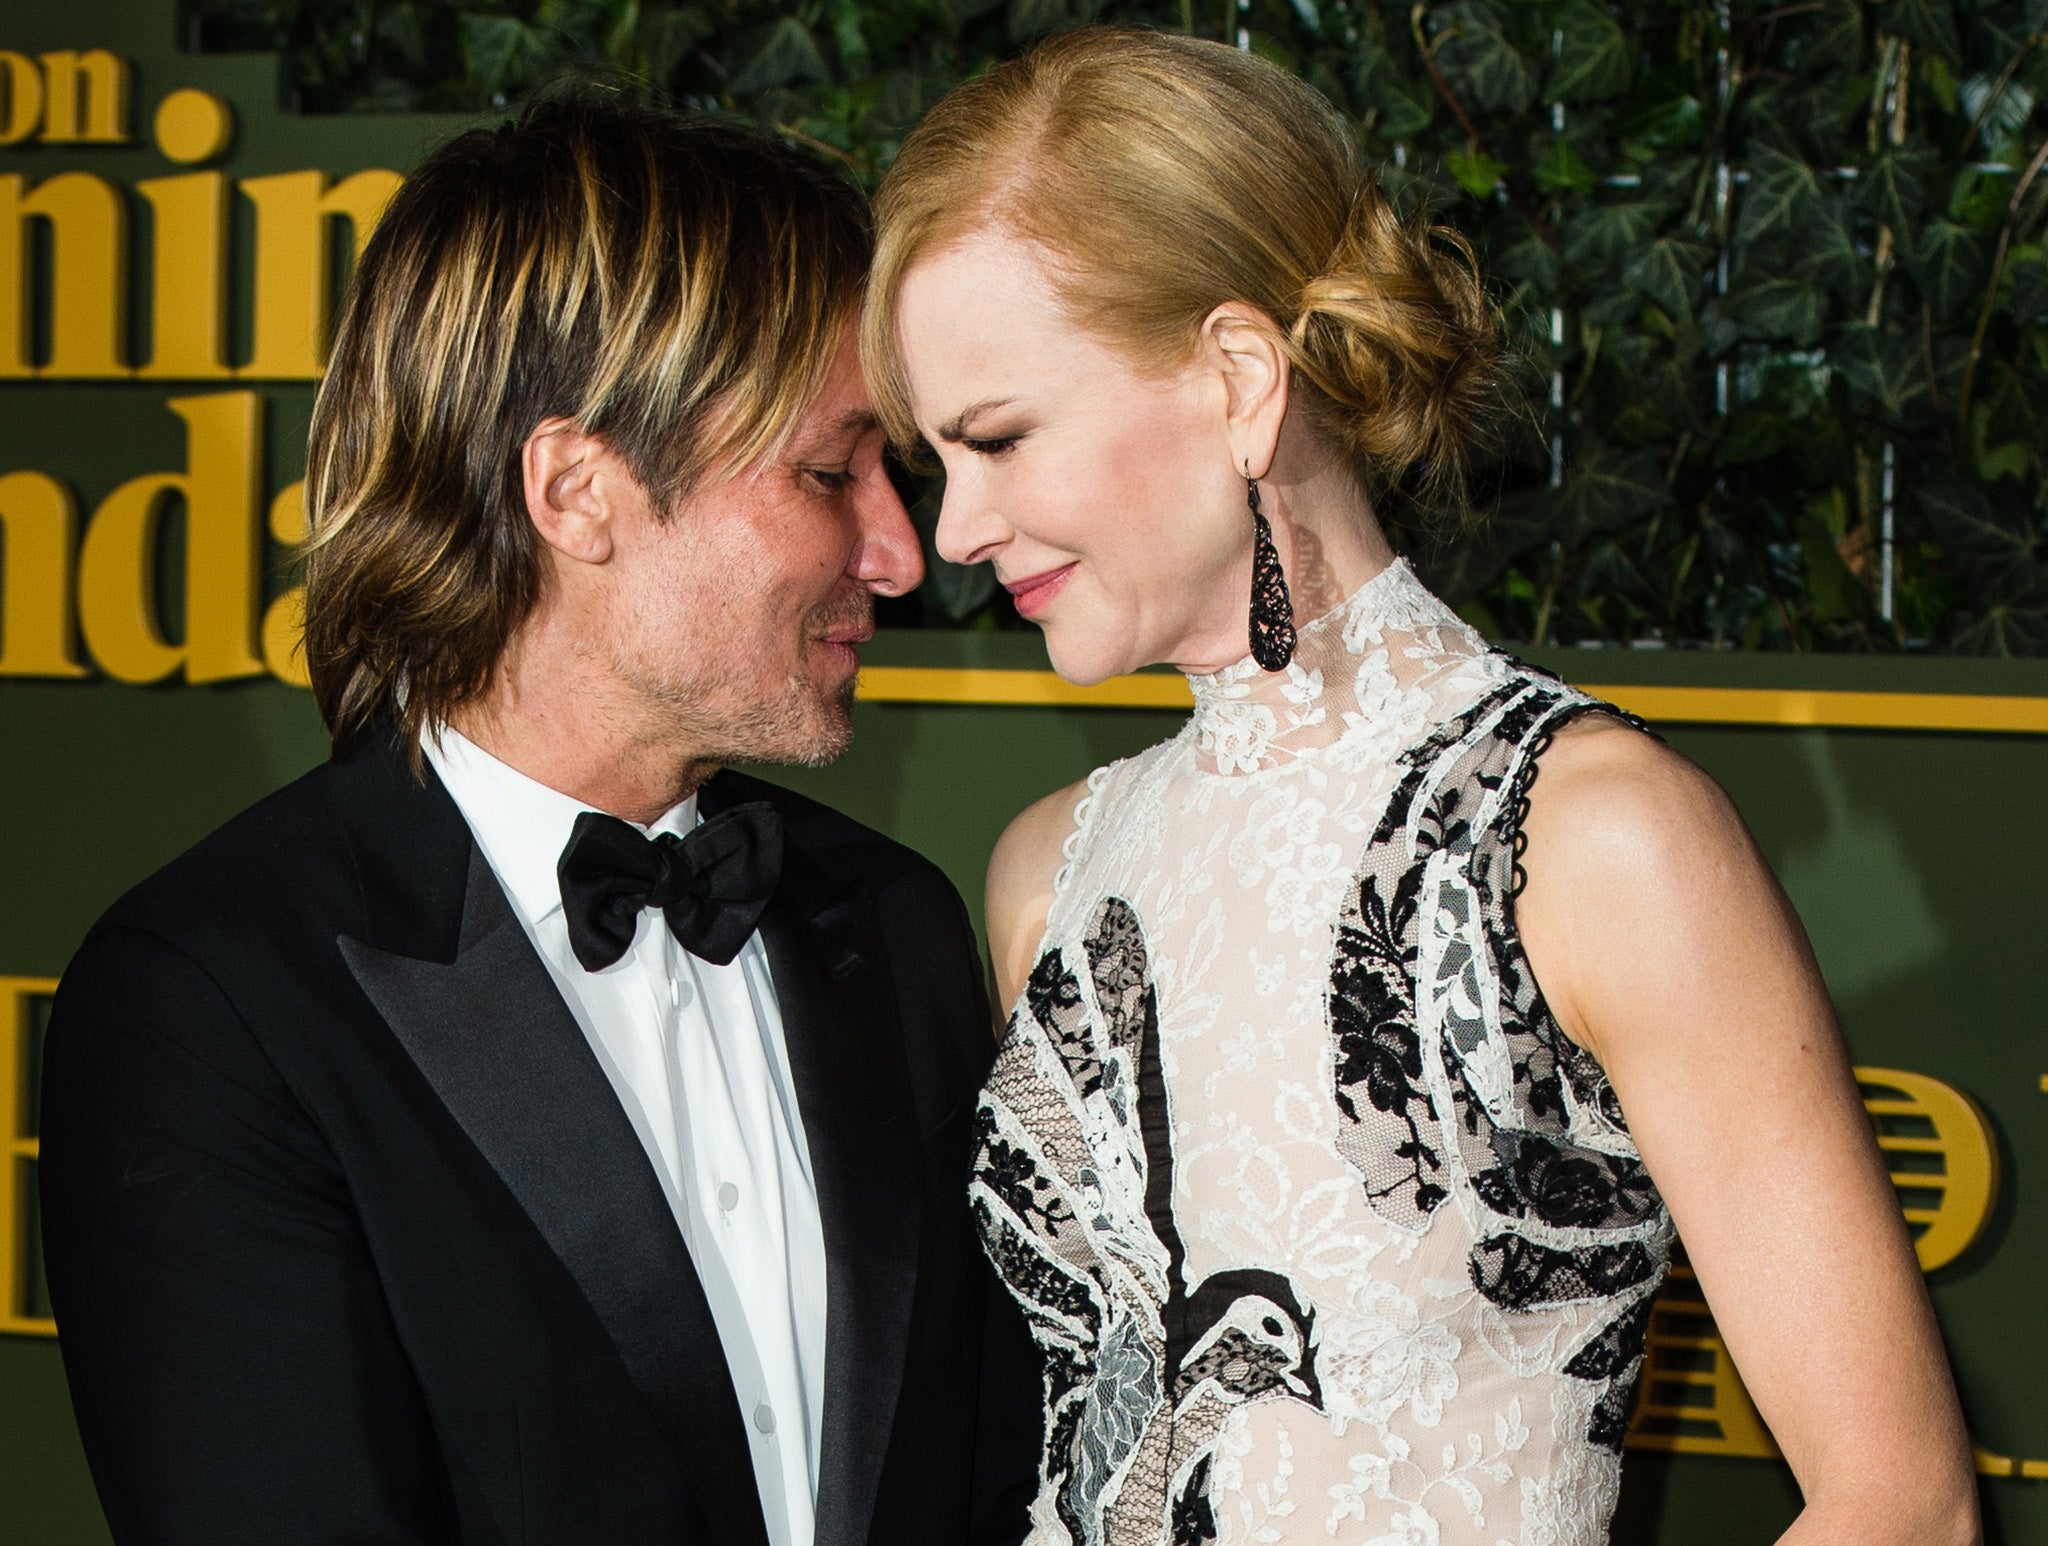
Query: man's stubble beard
<point x="711" y="713"/>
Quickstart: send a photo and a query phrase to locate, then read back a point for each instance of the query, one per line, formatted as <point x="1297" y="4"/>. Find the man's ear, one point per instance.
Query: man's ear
<point x="1243" y="344"/>
<point x="569" y="478"/>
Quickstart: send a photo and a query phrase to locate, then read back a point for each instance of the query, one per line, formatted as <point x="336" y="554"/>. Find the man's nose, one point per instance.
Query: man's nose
<point x="887" y="557"/>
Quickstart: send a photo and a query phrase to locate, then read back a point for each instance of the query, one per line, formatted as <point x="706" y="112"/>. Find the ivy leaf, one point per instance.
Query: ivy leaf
<point x="1998" y="536"/>
<point x="1610" y="488"/>
<point x="2024" y="293"/>
<point x="1929" y="23"/>
<point x="1486" y="70"/>
<point x="1884" y="367"/>
<point x="849" y="38"/>
<point x="1753" y="434"/>
<point x="775" y="55"/>
<point x="666" y="38"/>
<point x="1783" y="196"/>
<point x="1837" y="39"/>
<point x="1563" y="170"/>
<point x="502" y="51"/>
<point x="1830" y="251"/>
<point x="2001" y="118"/>
<point x="1894" y="187"/>
<point x="2003" y="630"/>
<point x="400" y="27"/>
<point x="1668" y="271"/>
<point x="1780" y="308"/>
<point x="1678" y="123"/>
<point x="1477" y="173"/>
<point x="903" y="97"/>
<point x="1594" y="60"/>
<point x="1405" y="106"/>
<point x="1029" y="18"/>
<point x="1834" y="589"/>
<point x="1600" y="236"/>
<point x="1949" y="264"/>
<point x="1531" y="263"/>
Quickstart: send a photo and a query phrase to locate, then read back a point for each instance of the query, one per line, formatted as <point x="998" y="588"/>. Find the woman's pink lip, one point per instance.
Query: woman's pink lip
<point x="1036" y="593"/>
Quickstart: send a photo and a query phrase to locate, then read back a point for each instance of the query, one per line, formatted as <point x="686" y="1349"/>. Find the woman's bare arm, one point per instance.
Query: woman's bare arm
<point x="1667" y="949"/>
<point x="1021" y="872"/>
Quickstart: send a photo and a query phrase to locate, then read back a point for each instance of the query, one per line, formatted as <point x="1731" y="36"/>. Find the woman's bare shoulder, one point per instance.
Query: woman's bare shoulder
<point x="1021" y="874"/>
<point x="1640" y="873"/>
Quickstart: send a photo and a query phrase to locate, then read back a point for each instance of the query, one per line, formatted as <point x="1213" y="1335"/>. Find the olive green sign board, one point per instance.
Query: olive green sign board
<point x="177" y="240"/>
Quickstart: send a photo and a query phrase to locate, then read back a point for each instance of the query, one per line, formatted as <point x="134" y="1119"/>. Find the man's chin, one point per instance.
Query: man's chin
<point x="835" y="734"/>
<point x="816" y="733"/>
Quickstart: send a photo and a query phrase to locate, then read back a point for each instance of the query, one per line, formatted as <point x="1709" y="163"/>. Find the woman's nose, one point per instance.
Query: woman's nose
<point x="970" y="528"/>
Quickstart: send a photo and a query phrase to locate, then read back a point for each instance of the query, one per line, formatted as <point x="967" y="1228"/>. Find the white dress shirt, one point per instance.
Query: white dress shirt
<point x="696" y="1054"/>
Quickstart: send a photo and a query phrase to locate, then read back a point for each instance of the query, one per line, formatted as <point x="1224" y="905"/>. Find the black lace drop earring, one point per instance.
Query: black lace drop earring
<point x="1272" y="630"/>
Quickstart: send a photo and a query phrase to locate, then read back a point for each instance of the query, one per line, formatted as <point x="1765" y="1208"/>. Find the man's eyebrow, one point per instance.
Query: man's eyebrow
<point x="954" y="430"/>
<point x="852" y="425"/>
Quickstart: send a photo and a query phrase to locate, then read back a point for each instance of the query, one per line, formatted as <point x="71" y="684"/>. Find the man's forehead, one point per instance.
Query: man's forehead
<point x="836" y="424"/>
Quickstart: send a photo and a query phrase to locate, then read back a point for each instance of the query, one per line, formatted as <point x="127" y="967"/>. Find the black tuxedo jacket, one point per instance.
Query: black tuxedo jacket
<point x="350" y="1241"/>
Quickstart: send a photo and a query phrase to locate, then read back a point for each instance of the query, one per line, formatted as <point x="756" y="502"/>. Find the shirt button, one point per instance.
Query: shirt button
<point x="764" y="1418"/>
<point x="729" y="1199"/>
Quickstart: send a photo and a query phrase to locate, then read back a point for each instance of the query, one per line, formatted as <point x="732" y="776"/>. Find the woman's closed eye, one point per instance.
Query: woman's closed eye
<point x="995" y="447"/>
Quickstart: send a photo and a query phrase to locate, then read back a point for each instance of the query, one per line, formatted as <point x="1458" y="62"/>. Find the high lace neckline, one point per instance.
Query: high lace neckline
<point x="1353" y="675"/>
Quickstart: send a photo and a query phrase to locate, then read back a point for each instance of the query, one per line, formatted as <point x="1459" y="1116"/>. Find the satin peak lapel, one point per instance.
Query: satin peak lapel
<point x="493" y="1037"/>
<point x="846" y="1057"/>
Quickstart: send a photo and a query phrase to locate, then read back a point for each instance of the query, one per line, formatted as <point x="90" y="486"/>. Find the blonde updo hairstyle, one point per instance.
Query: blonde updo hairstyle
<point x="1166" y="175"/>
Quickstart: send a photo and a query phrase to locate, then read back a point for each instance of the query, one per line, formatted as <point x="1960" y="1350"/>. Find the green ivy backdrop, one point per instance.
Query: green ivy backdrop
<point x="1776" y="270"/>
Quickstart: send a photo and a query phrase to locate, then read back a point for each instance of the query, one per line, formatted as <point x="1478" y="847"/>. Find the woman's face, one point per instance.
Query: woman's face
<point x="1104" y="495"/>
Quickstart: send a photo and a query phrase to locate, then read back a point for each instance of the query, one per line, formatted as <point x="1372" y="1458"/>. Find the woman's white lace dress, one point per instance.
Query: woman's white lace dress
<point x="1325" y="1229"/>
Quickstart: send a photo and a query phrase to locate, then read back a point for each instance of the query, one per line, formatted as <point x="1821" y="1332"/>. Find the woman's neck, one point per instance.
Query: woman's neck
<point x="1329" y="540"/>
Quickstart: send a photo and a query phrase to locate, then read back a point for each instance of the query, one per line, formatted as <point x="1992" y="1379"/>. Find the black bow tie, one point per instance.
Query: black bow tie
<point x="712" y="885"/>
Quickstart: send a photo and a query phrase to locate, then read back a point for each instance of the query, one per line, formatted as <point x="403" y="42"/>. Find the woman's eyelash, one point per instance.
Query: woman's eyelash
<point x="990" y="447"/>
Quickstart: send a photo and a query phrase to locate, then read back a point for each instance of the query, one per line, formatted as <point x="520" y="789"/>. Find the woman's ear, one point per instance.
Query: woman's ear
<point x="566" y="475"/>
<point x="1243" y="345"/>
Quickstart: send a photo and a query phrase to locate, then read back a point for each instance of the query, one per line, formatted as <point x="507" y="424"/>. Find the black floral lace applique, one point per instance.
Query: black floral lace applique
<point x="1380" y="1092"/>
<point x="1518" y="1274"/>
<point x="1123" y="985"/>
<point x="1055" y="999"/>
<point x="1012" y="1174"/>
<point x="1194" y="1522"/>
<point x="1614" y="1356"/>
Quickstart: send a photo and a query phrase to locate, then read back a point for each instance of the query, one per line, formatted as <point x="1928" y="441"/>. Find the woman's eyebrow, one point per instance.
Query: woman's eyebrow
<point x="954" y="429"/>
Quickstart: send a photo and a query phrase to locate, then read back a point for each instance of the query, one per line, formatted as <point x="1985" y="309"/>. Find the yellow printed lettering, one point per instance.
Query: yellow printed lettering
<point x="189" y="276"/>
<point x="38" y="525"/>
<point x="22" y="82"/>
<point x="284" y="625"/>
<point x="1937" y="1143"/>
<point x="18" y="1150"/>
<point x="116" y="568"/>
<point x="86" y="98"/>
<point x="294" y="268"/>
<point x="89" y="226"/>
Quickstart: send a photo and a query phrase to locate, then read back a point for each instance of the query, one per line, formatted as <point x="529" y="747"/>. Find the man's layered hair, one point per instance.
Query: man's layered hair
<point x="675" y="285"/>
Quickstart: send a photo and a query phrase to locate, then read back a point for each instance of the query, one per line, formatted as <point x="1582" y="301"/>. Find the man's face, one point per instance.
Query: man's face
<point x="733" y="620"/>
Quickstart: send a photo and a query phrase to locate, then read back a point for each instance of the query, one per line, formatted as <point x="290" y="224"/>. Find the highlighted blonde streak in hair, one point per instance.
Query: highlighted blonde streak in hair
<point x="676" y="286"/>
<point x="1163" y="176"/>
